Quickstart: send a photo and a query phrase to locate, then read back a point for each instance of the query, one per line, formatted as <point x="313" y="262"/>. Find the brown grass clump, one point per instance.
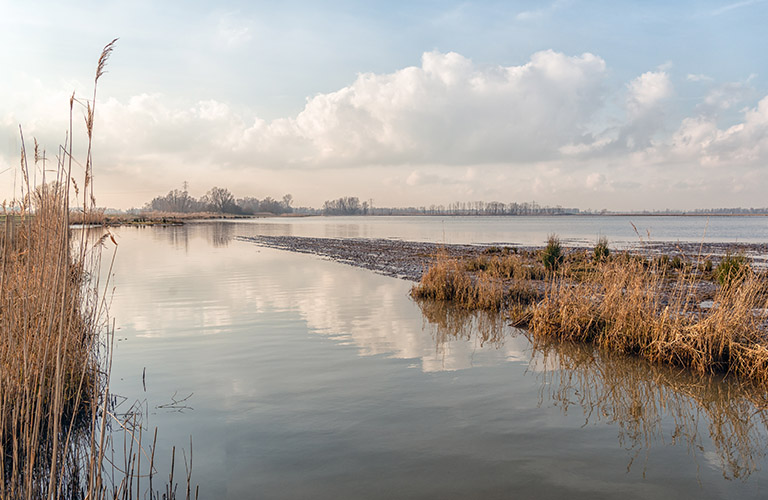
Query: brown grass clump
<point x="629" y="308"/>
<point x="482" y="282"/>
<point x="447" y="280"/>
<point x="627" y="303"/>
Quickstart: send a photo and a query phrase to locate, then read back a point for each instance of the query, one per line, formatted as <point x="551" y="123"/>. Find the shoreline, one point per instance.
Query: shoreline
<point x="409" y="260"/>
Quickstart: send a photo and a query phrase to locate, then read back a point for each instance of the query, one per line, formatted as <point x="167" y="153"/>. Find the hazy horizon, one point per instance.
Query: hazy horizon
<point x="594" y="105"/>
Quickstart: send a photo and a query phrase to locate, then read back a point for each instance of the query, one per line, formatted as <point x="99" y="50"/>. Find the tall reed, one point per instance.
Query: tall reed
<point x="55" y="412"/>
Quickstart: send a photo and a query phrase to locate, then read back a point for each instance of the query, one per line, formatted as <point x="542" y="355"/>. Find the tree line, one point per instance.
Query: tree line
<point x="219" y="200"/>
<point x="351" y="205"/>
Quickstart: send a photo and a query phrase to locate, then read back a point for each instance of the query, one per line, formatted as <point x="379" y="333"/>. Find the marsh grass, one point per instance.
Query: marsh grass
<point x="601" y="251"/>
<point x="552" y="255"/>
<point x="629" y="308"/>
<point x="448" y="280"/>
<point x="486" y="282"/>
<point x="731" y="268"/>
<point x="628" y="303"/>
<point x="56" y="414"/>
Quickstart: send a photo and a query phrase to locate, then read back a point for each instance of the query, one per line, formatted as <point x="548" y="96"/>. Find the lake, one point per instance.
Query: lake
<point x="297" y="377"/>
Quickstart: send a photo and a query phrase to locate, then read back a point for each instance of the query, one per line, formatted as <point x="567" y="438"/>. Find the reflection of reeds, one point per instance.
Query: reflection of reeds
<point x="451" y="323"/>
<point x="643" y="398"/>
<point x="650" y="403"/>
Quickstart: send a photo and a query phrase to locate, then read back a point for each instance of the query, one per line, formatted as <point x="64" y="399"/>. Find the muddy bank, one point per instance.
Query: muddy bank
<point x="409" y="259"/>
<point x="396" y="258"/>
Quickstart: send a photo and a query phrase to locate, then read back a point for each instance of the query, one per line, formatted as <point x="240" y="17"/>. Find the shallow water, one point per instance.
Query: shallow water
<point x="620" y="230"/>
<point x="297" y="377"/>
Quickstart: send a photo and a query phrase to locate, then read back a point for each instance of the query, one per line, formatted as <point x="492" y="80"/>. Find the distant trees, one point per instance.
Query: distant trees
<point x="219" y="200"/>
<point x="175" y="201"/>
<point x="349" y="205"/>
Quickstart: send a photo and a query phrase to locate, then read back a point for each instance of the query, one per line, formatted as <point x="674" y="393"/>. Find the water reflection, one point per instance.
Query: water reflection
<point x="517" y="229"/>
<point x="194" y="281"/>
<point x="450" y="323"/>
<point x="657" y="405"/>
<point x="220" y="234"/>
<point x="176" y="236"/>
<point x="314" y="374"/>
<point x="651" y="405"/>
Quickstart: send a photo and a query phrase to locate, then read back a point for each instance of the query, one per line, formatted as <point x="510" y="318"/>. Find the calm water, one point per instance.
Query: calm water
<point x="298" y="377"/>
<point x="521" y="230"/>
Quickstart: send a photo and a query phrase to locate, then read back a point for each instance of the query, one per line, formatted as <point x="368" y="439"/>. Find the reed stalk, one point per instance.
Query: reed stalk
<point x="56" y="416"/>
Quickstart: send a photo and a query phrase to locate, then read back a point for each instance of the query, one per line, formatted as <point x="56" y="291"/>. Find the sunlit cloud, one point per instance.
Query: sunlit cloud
<point x="444" y="130"/>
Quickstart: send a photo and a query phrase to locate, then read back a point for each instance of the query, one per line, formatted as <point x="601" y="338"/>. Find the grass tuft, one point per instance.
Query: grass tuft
<point x="552" y="255"/>
<point x="632" y="304"/>
<point x="601" y="251"/>
<point x="731" y="269"/>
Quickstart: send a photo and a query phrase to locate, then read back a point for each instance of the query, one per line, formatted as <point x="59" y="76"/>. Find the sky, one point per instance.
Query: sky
<point x="612" y="105"/>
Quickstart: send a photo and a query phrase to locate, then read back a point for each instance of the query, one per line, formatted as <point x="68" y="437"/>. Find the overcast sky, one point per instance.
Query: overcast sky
<point x="593" y="104"/>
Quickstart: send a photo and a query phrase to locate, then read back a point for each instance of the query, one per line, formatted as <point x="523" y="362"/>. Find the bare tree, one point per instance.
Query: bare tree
<point x="221" y="200"/>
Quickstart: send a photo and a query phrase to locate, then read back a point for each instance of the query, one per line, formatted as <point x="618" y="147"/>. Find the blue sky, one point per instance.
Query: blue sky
<point x="620" y="105"/>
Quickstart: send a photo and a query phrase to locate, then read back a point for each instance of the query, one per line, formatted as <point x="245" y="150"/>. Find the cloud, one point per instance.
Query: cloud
<point x="699" y="140"/>
<point x="698" y="78"/>
<point x="448" y="129"/>
<point x="595" y="180"/>
<point x="447" y="110"/>
<point x="648" y="90"/>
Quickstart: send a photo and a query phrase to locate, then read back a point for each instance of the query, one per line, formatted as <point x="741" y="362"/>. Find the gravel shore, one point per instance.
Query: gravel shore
<point x="401" y="259"/>
<point x="409" y="259"/>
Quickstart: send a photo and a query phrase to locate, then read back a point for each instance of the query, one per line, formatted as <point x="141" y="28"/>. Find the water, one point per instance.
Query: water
<point x="522" y="230"/>
<point x="297" y="377"/>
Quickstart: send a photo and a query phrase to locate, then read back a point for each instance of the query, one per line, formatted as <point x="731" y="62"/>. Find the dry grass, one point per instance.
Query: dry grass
<point x="630" y="308"/>
<point x="626" y="303"/>
<point x="448" y="280"/>
<point x="98" y="217"/>
<point x="55" y="413"/>
<point x="48" y="348"/>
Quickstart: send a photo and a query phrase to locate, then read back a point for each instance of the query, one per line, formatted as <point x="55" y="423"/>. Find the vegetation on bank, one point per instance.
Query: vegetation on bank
<point x="219" y="201"/>
<point x="680" y="311"/>
<point x="58" y="428"/>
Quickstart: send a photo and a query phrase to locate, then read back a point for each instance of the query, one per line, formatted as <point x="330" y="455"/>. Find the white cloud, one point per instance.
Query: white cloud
<point x="448" y="129"/>
<point x="448" y="110"/>
<point x="744" y="144"/>
<point x="595" y="180"/>
<point x="648" y="90"/>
